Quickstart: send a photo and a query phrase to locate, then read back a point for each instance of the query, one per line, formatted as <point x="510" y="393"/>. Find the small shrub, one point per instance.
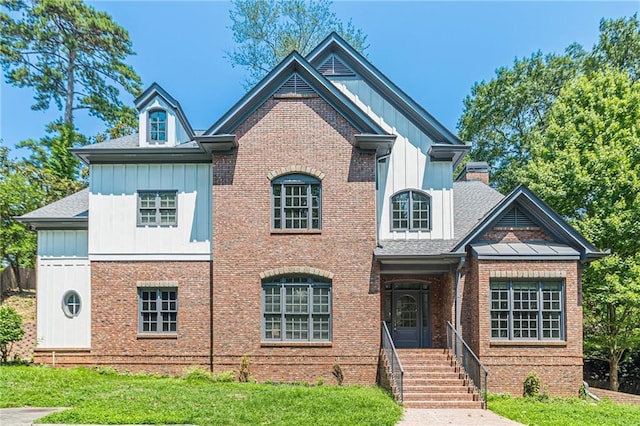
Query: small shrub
<point x="196" y="372"/>
<point x="582" y="393"/>
<point x="223" y="377"/>
<point x="243" y="373"/>
<point x="533" y="387"/>
<point x="337" y="373"/>
<point x="11" y="330"/>
<point x="107" y="371"/>
<point x="320" y="381"/>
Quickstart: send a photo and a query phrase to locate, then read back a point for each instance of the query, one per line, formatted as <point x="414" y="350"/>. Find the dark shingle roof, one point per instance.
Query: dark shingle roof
<point x="471" y="202"/>
<point x="130" y="142"/>
<point x="74" y="206"/>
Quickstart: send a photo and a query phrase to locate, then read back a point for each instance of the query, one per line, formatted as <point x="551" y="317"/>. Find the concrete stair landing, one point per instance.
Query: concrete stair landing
<point x="433" y="379"/>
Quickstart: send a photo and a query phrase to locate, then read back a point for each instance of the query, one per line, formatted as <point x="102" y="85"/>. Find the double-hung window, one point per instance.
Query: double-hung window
<point x="296" y="309"/>
<point x="157" y="126"/>
<point x="410" y="211"/>
<point x="157" y="208"/>
<point x="296" y="202"/>
<point x="158" y="310"/>
<point x="527" y="310"/>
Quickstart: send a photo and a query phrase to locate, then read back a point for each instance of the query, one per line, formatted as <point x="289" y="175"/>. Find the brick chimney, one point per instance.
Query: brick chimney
<point x="475" y="171"/>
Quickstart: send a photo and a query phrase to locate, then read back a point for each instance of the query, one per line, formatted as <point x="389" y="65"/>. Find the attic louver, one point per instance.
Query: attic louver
<point x="335" y="67"/>
<point x="516" y="218"/>
<point x="295" y="85"/>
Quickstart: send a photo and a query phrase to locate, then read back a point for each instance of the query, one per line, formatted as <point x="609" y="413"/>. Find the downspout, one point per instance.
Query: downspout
<point x="458" y="307"/>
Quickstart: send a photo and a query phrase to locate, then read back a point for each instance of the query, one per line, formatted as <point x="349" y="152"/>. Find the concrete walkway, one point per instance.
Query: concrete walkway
<point x="457" y="417"/>
<point x="23" y="416"/>
<point x="412" y="417"/>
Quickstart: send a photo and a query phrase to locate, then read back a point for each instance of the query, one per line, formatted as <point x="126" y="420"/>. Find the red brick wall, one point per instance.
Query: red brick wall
<point x="559" y="364"/>
<point x="509" y="235"/>
<point x="114" y="326"/>
<point x="295" y="132"/>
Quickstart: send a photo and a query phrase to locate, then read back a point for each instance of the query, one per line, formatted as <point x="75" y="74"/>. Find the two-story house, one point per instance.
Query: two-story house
<point x="317" y="215"/>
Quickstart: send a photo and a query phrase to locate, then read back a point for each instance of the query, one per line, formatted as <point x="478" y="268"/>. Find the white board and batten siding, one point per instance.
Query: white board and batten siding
<point x="176" y="134"/>
<point x="114" y="233"/>
<point x="408" y="167"/>
<point x="63" y="266"/>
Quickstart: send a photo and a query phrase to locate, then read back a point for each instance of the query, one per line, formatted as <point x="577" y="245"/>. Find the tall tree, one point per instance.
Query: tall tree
<point x="267" y="31"/>
<point x="68" y="53"/>
<point x="506" y="115"/>
<point x="587" y="167"/>
<point x="24" y="187"/>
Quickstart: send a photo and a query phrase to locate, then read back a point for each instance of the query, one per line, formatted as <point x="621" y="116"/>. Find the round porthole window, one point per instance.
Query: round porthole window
<point x="71" y="304"/>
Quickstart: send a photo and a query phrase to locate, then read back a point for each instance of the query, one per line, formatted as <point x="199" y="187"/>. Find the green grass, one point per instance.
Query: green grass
<point x="110" y="398"/>
<point x="564" y="411"/>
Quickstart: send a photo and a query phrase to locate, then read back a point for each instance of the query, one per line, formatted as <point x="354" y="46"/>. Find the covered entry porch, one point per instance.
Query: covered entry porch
<point x="418" y="299"/>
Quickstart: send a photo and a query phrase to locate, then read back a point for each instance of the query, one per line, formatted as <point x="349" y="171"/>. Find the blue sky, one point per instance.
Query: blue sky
<point x="434" y="51"/>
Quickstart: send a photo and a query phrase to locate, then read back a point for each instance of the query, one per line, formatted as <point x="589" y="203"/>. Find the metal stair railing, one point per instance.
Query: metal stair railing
<point x="397" y="372"/>
<point x="468" y="361"/>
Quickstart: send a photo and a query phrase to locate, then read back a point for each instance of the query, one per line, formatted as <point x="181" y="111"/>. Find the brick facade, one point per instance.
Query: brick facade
<point x="295" y="134"/>
<point x="115" y="340"/>
<point x="559" y="363"/>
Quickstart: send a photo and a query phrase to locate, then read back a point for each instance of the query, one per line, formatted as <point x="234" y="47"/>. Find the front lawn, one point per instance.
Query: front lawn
<point x="105" y="397"/>
<point x="564" y="411"/>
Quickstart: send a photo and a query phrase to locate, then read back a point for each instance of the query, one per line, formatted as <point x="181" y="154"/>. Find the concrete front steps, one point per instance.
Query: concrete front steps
<point x="433" y="379"/>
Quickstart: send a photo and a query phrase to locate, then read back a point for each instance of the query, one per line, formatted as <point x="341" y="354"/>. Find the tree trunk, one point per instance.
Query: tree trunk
<point x="15" y="267"/>
<point x="613" y="373"/>
<point x="68" y="107"/>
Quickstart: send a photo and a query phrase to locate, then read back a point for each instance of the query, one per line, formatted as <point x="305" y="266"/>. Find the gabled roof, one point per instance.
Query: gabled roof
<point x="544" y="215"/>
<point x="294" y="63"/>
<point x="70" y="212"/>
<point x="156" y="90"/>
<point x="334" y="44"/>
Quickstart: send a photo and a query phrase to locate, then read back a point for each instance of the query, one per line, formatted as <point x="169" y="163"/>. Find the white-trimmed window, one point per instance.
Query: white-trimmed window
<point x="157" y="126"/>
<point x="157" y="208"/>
<point x="296" y="202"/>
<point x="410" y="211"/>
<point x="71" y="304"/>
<point x="296" y="309"/>
<point x="527" y="310"/>
<point x="158" y="310"/>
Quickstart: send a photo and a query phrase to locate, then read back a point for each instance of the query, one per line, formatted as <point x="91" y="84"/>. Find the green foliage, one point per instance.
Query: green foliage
<point x="533" y="387"/>
<point x="265" y="32"/>
<point x="223" y="377"/>
<point x="587" y="167"/>
<point x="69" y="54"/>
<point x="243" y="372"/>
<point x="196" y="372"/>
<point x="11" y="330"/>
<point x="505" y="116"/>
<point x="337" y="373"/>
<point x="118" y="399"/>
<point x="564" y="411"/>
<point x="26" y="186"/>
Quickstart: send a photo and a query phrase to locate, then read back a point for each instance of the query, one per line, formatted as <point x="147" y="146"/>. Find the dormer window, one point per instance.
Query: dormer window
<point x="410" y="211"/>
<point x="157" y="126"/>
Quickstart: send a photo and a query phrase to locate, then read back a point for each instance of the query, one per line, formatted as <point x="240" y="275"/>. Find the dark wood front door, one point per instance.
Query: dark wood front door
<point x="407" y="316"/>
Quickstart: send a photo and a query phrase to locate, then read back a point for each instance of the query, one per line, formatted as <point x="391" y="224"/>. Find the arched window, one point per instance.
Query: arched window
<point x="296" y="309"/>
<point x="157" y="126"/>
<point x="411" y="210"/>
<point x="296" y="202"/>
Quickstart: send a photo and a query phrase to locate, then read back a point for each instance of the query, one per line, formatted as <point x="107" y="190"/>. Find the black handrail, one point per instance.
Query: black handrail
<point x="469" y="362"/>
<point x="397" y="372"/>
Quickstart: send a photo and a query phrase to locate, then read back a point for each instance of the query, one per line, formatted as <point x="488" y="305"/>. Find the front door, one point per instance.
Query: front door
<point x="406" y="319"/>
